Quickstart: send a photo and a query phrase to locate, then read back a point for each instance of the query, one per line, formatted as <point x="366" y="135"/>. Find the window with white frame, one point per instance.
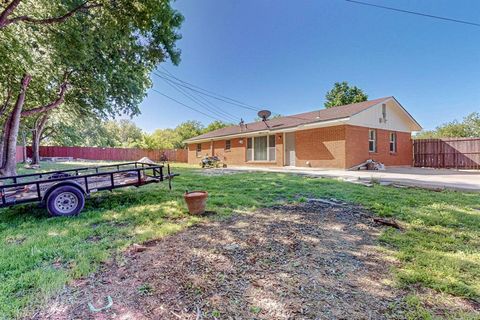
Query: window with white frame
<point x="393" y="142"/>
<point x="372" y="140"/>
<point x="261" y="148"/>
<point x="228" y="144"/>
<point x="249" y="149"/>
<point x="271" y="148"/>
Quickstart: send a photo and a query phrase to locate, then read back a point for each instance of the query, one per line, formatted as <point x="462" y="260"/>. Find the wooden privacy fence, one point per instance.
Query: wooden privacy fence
<point x="19" y="154"/>
<point x="113" y="154"/>
<point x="460" y="153"/>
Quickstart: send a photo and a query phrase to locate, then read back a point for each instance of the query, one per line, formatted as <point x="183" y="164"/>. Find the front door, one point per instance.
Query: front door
<point x="290" y="149"/>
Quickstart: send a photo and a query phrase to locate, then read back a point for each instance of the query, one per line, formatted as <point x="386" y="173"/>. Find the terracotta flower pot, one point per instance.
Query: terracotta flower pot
<point x="196" y="201"/>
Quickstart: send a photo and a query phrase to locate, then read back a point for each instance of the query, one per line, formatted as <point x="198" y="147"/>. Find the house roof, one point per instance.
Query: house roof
<point x="295" y="120"/>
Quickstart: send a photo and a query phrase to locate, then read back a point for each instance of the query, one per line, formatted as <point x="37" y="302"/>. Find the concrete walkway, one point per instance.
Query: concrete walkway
<point x="462" y="180"/>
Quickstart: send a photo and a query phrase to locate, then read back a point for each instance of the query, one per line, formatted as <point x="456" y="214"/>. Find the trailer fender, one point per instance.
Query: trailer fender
<point x="60" y="184"/>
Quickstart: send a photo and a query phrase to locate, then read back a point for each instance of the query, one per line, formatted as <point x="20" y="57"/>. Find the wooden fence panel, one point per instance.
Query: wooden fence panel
<point x="460" y="153"/>
<point x="19" y="154"/>
<point x="113" y="154"/>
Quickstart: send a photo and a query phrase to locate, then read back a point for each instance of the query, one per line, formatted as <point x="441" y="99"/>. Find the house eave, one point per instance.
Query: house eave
<point x="311" y="125"/>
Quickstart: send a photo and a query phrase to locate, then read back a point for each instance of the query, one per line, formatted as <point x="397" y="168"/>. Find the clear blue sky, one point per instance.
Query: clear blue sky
<point x="285" y="55"/>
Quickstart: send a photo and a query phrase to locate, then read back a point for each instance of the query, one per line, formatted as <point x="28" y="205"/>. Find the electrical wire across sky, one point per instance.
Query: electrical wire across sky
<point x="200" y="97"/>
<point x="414" y="13"/>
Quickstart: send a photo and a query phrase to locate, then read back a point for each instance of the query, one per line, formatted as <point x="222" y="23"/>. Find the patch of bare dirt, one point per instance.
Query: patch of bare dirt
<point x="308" y="261"/>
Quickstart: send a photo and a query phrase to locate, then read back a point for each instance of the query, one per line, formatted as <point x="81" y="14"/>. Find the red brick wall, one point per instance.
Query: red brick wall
<point x="321" y="147"/>
<point x="331" y="147"/>
<point x="192" y="152"/>
<point x="357" y="147"/>
<point x="236" y="155"/>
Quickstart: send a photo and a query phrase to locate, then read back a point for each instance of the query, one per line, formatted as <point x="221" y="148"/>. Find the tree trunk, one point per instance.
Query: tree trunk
<point x="35" y="148"/>
<point x="37" y="137"/>
<point x="4" y="108"/>
<point x="9" y="164"/>
<point x="2" y="140"/>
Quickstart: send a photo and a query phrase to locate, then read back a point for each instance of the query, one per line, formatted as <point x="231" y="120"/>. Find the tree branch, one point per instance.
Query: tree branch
<point x="53" y="104"/>
<point x="47" y="134"/>
<point x="8" y="10"/>
<point x="43" y="122"/>
<point x="4" y="21"/>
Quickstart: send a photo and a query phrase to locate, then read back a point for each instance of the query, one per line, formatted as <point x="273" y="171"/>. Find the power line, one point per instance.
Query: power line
<point x="415" y="13"/>
<point x="184" y="84"/>
<point x="179" y="84"/>
<point x="211" y="92"/>
<point x="183" y="104"/>
<point x="227" y="117"/>
<point x="207" y="93"/>
<point x="216" y="106"/>
<point x="212" y="105"/>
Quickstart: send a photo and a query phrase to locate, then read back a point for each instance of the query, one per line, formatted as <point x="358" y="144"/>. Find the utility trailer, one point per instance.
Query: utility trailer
<point x="63" y="192"/>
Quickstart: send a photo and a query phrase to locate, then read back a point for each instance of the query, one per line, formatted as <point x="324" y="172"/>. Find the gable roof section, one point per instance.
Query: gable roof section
<point x="295" y="120"/>
<point x="419" y="127"/>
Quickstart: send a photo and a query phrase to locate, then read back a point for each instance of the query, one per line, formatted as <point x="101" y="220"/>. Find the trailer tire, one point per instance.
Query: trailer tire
<point x="65" y="201"/>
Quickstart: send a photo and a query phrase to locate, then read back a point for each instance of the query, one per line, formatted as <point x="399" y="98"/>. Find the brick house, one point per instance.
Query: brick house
<point x="338" y="137"/>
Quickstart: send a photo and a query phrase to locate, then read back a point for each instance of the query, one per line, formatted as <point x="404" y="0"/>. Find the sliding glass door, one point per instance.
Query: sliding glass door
<point x="261" y="148"/>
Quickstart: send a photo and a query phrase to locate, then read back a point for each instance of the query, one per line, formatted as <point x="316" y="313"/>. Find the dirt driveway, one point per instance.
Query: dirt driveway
<point x="308" y="261"/>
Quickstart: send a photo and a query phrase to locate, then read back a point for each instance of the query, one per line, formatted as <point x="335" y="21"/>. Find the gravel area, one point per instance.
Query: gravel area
<point x="314" y="260"/>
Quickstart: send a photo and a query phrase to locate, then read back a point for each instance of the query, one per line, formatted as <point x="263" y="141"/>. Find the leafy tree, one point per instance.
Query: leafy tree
<point x="342" y="93"/>
<point x="7" y="17"/>
<point x="123" y="133"/>
<point x="469" y="127"/>
<point x="63" y="129"/>
<point x="186" y="130"/>
<point x="89" y="131"/>
<point x="71" y="129"/>
<point x="94" y="56"/>
<point x="173" y="138"/>
<point x="215" y="125"/>
<point x="164" y="139"/>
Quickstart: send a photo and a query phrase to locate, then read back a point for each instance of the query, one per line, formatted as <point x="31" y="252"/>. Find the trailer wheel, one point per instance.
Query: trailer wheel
<point x="65" y="201"/>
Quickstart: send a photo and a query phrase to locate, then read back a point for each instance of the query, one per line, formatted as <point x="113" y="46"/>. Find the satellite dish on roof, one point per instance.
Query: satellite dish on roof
<point x="264" y="114"/>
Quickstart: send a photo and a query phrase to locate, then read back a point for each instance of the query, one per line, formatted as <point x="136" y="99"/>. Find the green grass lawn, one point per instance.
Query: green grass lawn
<point x="439" y="249"/>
